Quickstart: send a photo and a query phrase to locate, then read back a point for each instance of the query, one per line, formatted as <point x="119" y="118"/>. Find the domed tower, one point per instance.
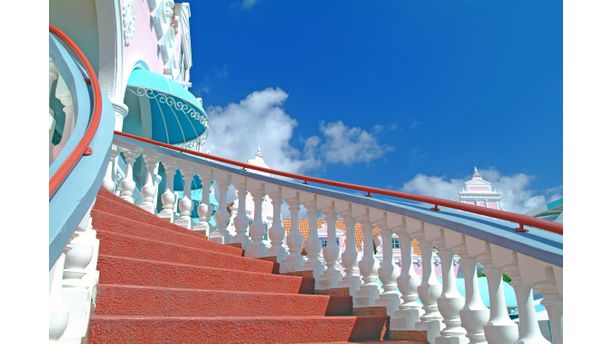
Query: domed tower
<point x="480" y="192"/>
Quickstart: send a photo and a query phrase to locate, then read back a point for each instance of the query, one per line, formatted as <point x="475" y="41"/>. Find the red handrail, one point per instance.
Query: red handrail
<point x="82" y="147"/>
<point x="521" y="219"/>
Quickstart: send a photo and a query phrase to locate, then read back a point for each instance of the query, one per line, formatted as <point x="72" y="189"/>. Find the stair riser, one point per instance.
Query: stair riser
<point x="125" y="300"/>
<point x="134" y="247"/>
<point x="116" y="270"/>
<point x="112" y="223"/>
<point x="211" y="330"/>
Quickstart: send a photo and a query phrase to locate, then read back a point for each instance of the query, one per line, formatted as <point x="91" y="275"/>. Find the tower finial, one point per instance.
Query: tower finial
<point x="476" y="171"/>
<point x="259" y="153"/>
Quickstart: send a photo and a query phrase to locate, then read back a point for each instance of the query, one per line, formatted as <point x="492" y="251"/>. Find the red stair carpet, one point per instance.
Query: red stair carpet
<point x="160" y="283"/>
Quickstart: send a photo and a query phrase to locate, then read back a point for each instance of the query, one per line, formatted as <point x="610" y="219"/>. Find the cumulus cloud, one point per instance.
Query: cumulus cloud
<point x="517" y="196"/>
<point x="248" y="4"/>
<point x="260" y="120"/>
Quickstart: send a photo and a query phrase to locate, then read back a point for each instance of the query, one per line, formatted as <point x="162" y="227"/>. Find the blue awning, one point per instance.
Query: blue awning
<point x="176" y="115"/>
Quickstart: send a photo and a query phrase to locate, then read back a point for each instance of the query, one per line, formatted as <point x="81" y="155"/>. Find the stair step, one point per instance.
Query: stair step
<point x="121" y="270"/>
<point x="115" y="244"/>
<point x="113" y="223"/>
<point x="112" y="299"/>
<point x="112" y="204"/>
<point x="268" y="329"/>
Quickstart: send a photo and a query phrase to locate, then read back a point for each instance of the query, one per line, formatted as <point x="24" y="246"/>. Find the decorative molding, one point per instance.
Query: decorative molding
<point x="177" y="104"/>
<point x="128" y="18"/>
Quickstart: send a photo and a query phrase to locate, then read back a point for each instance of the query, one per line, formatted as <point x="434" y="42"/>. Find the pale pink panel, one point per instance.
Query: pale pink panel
<point x="143" y="46"/>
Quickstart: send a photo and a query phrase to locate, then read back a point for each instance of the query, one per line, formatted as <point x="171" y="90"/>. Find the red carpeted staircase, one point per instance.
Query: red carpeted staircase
<point x="160" y="283"/>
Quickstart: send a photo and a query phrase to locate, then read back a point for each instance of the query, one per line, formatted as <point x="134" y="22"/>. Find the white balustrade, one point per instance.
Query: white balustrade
<point x="368" y="266"/>
<point x="127" y="184"/>
<point x="390" y="297"/>
<point x="257" y="248"/>
<point x="313" y="244"/>
<point x="278" y="248"/>
<point x="241" y="221"/>
<point x="332" y="275"/>
<point x="203" y="209"/>
<point x="429" y="291"/>
<point x="450" y="301"/>
<point x="148" y="189"/>
<point x="109" y="182"/>
<point x="351" y="279"/>
<point x="185" y="204"/>
<point x="168" y="197"/>
<point x="222" y="181"/>
<point x="294" y="261"/>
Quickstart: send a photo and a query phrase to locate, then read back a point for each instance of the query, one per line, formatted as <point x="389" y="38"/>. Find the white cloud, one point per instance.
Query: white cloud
<point x="260" y="120"/>
<point x="517" y="196"/>
<point x="248" y="4"/>
<point x="346" y="145"/>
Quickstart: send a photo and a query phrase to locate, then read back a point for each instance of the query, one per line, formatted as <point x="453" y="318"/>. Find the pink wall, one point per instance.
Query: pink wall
<point x="143" y="46"/>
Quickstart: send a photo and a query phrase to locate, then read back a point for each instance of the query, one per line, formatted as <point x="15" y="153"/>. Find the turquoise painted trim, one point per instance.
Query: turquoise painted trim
<point x="72" y="200"/>
<point x="150" y="80"/>
<point x="73" y="77"/>
<point x="536" y="243"/>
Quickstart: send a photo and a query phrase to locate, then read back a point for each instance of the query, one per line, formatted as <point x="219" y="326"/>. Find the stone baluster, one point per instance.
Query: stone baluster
<point x="203" y="209"/>
<point x="313" y="244"/>
<point x="185" y="204"/>
<point x="278" y="248"/>
<point x="390" y="298"/>
<point x="450" y="301"/>
<point x="168" y="197"/>
<point x="529" y="330"/>
<point x="474" y="313"/>
<point x="351" y="279"/>
<point x="148" y="189"/>
<point x="332" y="275"/>
<point x="257" y="248"/>
<point x="295" y="260"/>
<point x="127" y="184"/>
<point x="368" y="266"/>
<point x="109" y="177"/>
<point x="223" y="181"/>
<point x="553" y="301"/>
<point x="241" y="221"/>
<point x="409" y="312"/>
<point x="58" y="316"/>
<point x="429" y="291"/>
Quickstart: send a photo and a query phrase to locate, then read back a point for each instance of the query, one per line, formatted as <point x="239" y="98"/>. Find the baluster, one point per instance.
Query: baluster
<point x="529" y="330"/>
<point x="553" y="301"/>
<point x="368" y="266"/>
<point x="241" y="221"/>
<point x="409" y="312"/>
<point x="148" y="189"/>
<point x="474" y="313"/>
<point x="429" y="291"/>
<point x="450" y="301"/>
<point x="168" y="197"/>
<point x="277" y="232"/>
<point x="109" y="180"/>
<point x="295" y="260"/>
<point x="127" y="184"/>
<point x="500" y="328"/>
<point x="222" y="181"/>
<point x="203" y="208"/>
<point x="387" y="272"/>
<point x="313" y="244"/>
<point x="185" y="204"/>
<point x="350" y="255"/>
<point x="257" y="248"/>
<point x="332" y="275"/>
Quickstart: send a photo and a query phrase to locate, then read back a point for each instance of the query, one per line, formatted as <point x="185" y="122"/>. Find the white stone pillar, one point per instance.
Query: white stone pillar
<point x="313" y="244"/>
<point x="429" y="292"/>
<point x="295" y="260"/>
<point x="332" y="274"/>
<point x="529" y="330"/>
<point x="409" y="312"/>
<point x="148" y="189"/>
<point x="203" y="209"/>
<point x="450" y="302"/>
<point x="185" y="204"/>
<point x="222" y="181"/>
<point x="351" y="279"/>
<point x="241" y="221"/>
<point x="500" y="328"/>
<point x="168" y="196"/>
<point x="553" y="301"/>
<point x="109" y="177"/>
<point x="121" y="111"/>
<point x="127" y="184"/>
<point x="257" y="248"/>
<point x="474" y="313"/>
<point x="277" y="232"/>
<point x="388" y="274"/>
<point x="368" y="266"/>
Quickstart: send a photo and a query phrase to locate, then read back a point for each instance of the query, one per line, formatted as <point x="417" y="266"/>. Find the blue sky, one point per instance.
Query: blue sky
<point x="399" y="94"/>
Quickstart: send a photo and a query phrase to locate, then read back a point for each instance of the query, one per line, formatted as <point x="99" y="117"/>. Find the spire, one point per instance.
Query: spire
<point x="259" y="153"/>
<point x="476" y="173"/>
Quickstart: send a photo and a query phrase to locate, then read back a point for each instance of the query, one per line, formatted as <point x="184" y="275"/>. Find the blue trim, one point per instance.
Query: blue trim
<point x="74" y="197"/>
<point x="73" y="77"/>
<point x="536" y="243"/>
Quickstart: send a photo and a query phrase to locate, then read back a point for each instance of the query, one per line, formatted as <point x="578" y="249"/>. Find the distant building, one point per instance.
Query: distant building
<point x="480" y="192"/>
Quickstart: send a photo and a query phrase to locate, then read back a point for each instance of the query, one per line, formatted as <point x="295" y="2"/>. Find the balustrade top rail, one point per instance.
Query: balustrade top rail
<point x="82" y="147"/>
<point x="520" y="219"/>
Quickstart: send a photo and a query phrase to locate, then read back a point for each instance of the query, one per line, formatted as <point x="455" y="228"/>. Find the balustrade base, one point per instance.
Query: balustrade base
<point x="366" y="295"/>
<point x="390" y="300"/>
<point x="329" y="280"/>
<point x="352" y="282"/>
<point x="216" y="237"/>
<point x="185" y="223"/>
<point x="405" y="319"/>
<point x="166" y="216"/>
<point x="433" y="328"/>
